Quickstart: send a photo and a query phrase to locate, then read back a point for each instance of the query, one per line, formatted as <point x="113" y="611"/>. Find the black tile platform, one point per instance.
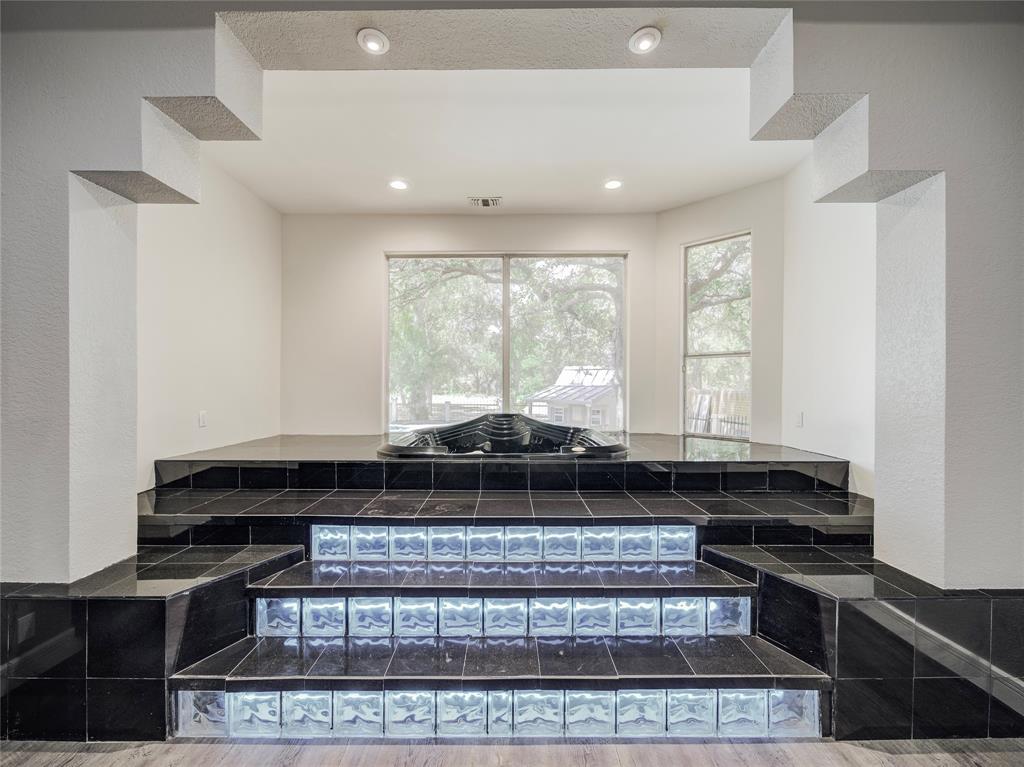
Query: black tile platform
<point x="909" y="660"/>
<point x="90" y="659"/>
<point x="655" y="462"/>
<point x="371" y="663"/>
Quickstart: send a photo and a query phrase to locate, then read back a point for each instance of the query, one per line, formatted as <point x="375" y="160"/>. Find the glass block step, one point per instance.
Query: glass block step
<point x="601" y="662"/>
<point x="499" y="543"/>
<point x="502" y="616"/>
<point x="501" y="713"/>
<point x="513" y="579"/>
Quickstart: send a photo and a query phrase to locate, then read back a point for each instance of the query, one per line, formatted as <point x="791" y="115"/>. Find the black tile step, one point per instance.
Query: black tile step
<point x="371" y="663"/>
<point x="507" y="579"/>
<point x="192" y="506"/>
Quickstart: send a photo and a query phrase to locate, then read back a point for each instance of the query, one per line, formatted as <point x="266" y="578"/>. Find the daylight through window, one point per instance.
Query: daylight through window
<point x="540" y="335"/>
<point x="716" y="364"/>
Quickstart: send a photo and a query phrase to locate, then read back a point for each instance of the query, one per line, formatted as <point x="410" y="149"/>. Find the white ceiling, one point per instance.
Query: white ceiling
<point x="544" y="140"/>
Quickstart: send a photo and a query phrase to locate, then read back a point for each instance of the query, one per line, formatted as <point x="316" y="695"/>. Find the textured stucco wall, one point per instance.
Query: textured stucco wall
<point x="72" y="84"/>
<point x="945" y="95"/>
<point x="828" y="360"/>
<point x="335" y="302"/>
<point x="758" y="210"/>
<point x="209" y="322"/>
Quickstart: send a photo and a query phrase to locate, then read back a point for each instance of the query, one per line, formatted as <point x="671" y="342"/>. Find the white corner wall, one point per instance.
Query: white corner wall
<point x="758" y="210"/>
<point x="828" y="322"/>
<point x="209" y="322"/>
<point x="335" y="303"/>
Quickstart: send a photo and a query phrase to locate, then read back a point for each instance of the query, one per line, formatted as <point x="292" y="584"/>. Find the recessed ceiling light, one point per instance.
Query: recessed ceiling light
<point x="645" y="40"/>
<point x="373" y="41"/>
<point x="398" y="184"/>
<point x="613" y="183"/>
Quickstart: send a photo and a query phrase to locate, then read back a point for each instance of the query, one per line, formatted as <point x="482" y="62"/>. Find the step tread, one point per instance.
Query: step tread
<point x="336" y="578"/>
<point x="490" y="508"/>
<point x="269" y="661"/>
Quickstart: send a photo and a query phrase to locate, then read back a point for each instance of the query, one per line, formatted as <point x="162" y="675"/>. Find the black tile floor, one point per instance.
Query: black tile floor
<point x="315" y="663"/>
<point x="328" y="578"/>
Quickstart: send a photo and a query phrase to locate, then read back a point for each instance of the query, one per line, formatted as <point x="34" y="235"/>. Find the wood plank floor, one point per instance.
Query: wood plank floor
<point x="290" y="753"/>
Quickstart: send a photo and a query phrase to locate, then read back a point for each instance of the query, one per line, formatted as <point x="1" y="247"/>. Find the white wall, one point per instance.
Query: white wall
<point x="828" y="361"/>
<point x="335" y="299"/>
<point x="209" y="322"/>
<point x="758" y="210"/>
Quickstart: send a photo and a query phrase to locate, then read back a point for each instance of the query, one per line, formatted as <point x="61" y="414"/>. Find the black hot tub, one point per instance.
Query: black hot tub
<point x="503" y="434"/>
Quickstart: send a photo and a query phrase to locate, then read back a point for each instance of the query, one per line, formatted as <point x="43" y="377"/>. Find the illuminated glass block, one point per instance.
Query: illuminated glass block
<point x="742" y="713"/>
<point x="499" y="713"/>
<point x="640" y="713"/>
<point x="692" y="713"/>
<point x="538" y="713"/>
<point x="306" y="714"/>
<point x="794" y="714"/>
<point x="415" y="616"/>
<point x="358" y="714"/>
<point x="277" y="617"/>
<point x="551" y="617"/>
<point x="522" y="544"/>
<point x="254" y="714"/>
<point x="485" y="544"/>
<point x="593" y="616"/>
<point x="600" y="542"/>
<point x="323" y="616"/>
<point x="409" y="714"/>
<point x="562" y="544"/>
<point x="505" y="617"/>
<point x="369" y="542"/>
<point x="676" y="542"/>
<point x="638" y="617"/>
<point x="407" y="543"/>
<point x="589" y="714"/>
<point x="446" y="543"/>
<point x="331" y="541"/>
<point x="461" y="714"/>
<point x="638" y="542"/>
<point x="460" y="617"/>
<point x="202" y="714"/>
<point x="728" y="616"/>
<point x="369" y="616"/>
<point x="683" y="616"/>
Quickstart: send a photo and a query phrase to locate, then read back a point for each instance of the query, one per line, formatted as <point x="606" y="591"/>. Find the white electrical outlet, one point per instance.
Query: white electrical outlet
<point x="202" y="419"/>
<point x="800" y="420"/>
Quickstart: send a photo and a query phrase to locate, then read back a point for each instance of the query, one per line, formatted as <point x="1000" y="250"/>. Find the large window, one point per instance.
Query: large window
<point x="541" y="335"/>
<point x="716" y="364"/>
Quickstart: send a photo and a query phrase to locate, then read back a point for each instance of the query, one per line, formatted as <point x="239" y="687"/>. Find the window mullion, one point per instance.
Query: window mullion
<point x="506" y="334"/>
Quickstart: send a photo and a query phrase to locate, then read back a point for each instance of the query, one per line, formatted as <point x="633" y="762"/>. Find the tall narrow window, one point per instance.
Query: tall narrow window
<point x="716" y="365"/>
<point x="540" y="335"/>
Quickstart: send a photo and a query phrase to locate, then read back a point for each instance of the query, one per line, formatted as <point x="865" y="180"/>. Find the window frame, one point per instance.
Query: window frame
<point x="684" y="342"/>
<point x="506" y="315"/>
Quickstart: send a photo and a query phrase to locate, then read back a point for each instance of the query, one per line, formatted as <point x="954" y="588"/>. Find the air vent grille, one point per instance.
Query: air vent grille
<point x="484" y="202"/>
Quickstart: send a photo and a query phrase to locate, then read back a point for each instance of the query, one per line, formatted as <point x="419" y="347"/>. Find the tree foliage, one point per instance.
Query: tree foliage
<point x="446" y="325"/>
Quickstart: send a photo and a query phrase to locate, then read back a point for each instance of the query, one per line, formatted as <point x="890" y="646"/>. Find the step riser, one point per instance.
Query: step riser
<point x="647" y="713"/>
<point x="503" y="617"/>
<point x="547" y="474"/>
<point x="526" y="543"/>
